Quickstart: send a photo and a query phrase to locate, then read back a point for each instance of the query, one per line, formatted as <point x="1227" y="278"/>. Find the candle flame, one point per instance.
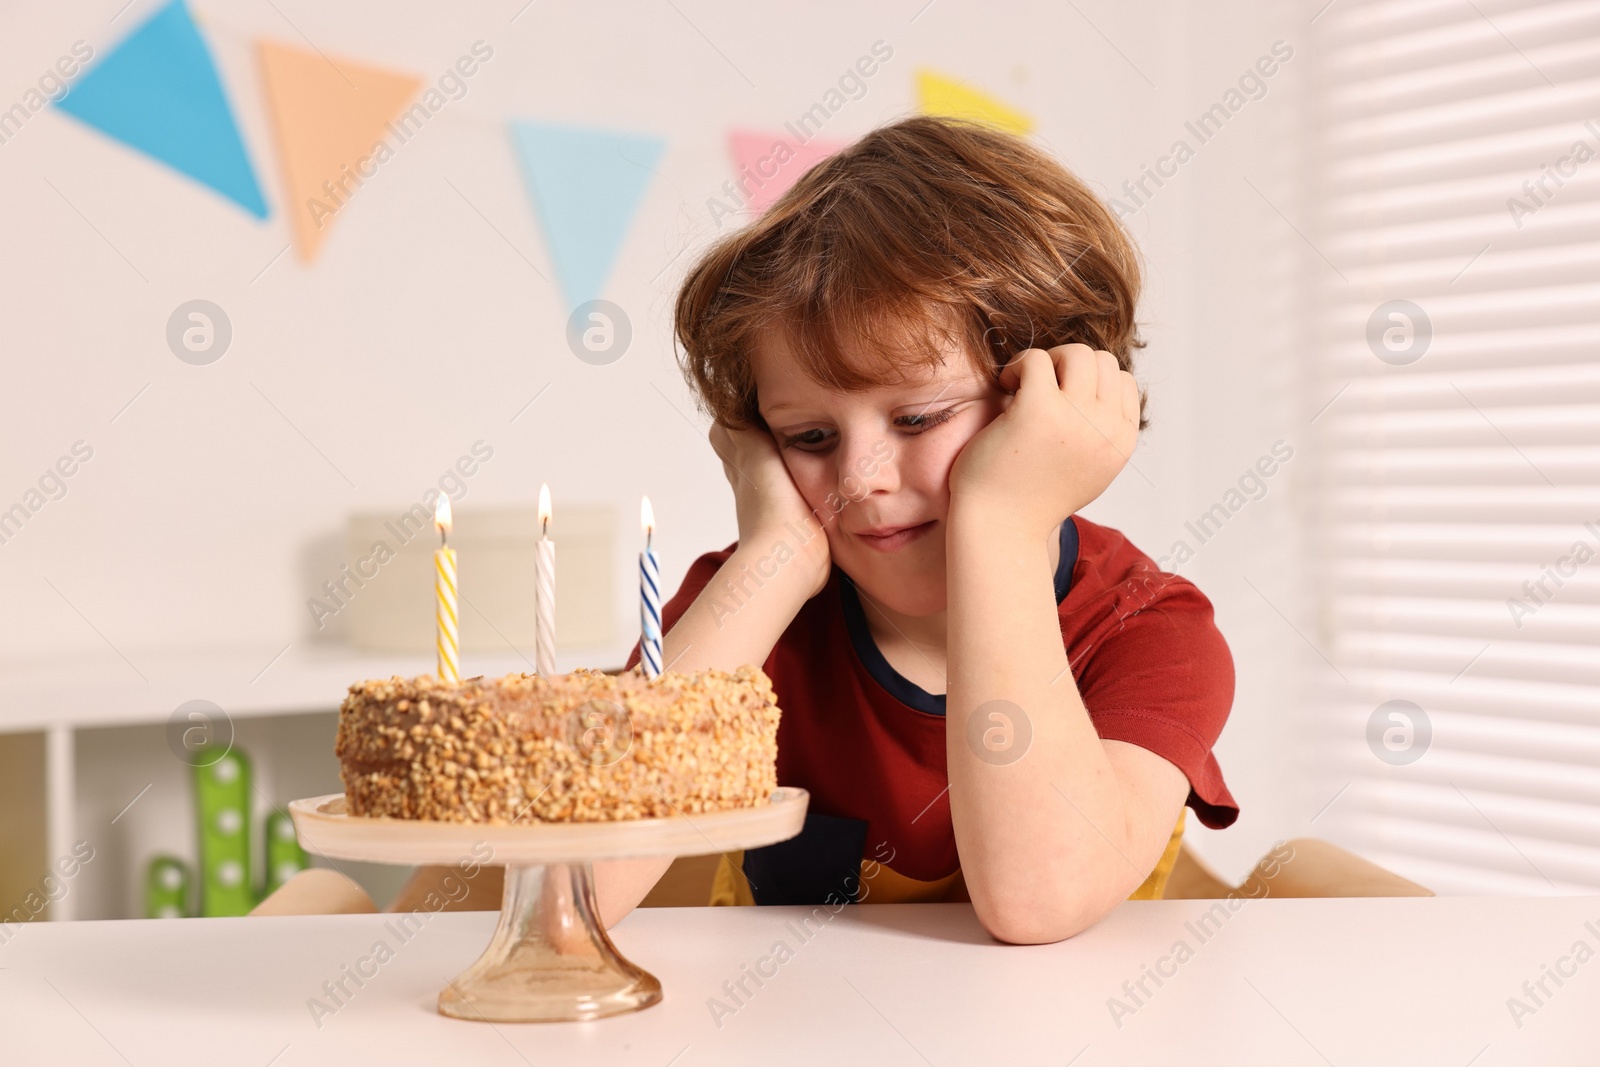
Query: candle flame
<point x="441" y="516"/>
<point x="544" y="508"/>
<point x="647" y="516"/>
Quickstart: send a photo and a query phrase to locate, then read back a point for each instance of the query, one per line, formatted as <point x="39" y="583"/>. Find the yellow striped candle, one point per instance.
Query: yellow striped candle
<point x="444" y="591"/>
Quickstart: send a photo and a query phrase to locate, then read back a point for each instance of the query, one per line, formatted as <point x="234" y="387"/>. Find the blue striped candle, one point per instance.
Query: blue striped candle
<point x="649" y="597"/>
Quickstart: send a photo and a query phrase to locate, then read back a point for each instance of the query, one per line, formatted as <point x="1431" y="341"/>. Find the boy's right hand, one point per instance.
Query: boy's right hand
<point x="769" y="505"/>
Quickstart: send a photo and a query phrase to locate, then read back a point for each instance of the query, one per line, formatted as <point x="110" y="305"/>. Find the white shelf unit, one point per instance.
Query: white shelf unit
<point x="104" y="719"/>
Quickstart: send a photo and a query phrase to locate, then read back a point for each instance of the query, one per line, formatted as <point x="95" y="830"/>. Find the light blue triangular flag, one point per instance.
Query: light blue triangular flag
<point x="158" y="92"/>
<point x="586" y="185"/>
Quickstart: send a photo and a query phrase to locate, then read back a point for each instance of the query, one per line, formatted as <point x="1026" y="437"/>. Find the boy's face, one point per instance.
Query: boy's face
<point x="875" y="465"/>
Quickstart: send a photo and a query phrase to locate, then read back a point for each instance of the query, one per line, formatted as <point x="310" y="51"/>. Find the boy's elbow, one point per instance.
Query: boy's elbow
<point x="1019" y="921"/>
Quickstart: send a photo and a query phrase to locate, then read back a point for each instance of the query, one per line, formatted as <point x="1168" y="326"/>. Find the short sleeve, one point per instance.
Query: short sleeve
<point x="1155" y="671"/>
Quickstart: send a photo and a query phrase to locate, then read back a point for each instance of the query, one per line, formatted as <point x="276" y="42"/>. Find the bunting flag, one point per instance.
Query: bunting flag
<point x="769" y="163"/>
<point x="586" y="185"/>
<point x="938" y="94"/>
<point x="158" y="92"/>
<point x="336" y="123"/>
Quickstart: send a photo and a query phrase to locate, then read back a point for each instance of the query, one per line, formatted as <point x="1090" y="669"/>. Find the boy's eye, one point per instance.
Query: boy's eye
<point x="926" y="419"/>
<point x="806" y="439"/>
<point x="814" y="440"/>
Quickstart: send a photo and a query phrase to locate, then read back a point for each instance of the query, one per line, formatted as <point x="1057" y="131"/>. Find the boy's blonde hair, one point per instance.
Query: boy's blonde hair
<point x="925" y="232"/>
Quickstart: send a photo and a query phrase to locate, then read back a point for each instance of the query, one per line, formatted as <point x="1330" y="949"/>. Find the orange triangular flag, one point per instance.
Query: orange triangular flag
<point x="333" y="119"/>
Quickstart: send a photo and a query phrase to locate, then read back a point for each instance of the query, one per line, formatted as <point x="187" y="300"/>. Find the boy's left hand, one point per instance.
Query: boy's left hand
<point x="1064" y="436"/>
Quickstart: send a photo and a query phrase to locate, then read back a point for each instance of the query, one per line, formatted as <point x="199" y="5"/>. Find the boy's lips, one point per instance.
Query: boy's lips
<point x="889" y="538"/>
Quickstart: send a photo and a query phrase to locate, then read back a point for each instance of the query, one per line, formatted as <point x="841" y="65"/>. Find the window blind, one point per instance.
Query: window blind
<point x="1456" y="171"/>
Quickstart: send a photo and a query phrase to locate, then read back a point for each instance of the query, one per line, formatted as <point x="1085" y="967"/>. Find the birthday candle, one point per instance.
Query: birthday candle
<point x="649" y="597"/>
<point x="544" y="655"/>
<point x="444" y="592"/>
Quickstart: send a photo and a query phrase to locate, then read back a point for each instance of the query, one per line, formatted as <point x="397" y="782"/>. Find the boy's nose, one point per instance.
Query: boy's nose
<point x="867" y="465"/>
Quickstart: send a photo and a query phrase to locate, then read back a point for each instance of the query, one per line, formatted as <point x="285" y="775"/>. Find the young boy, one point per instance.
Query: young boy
<point x="918" y="366"/>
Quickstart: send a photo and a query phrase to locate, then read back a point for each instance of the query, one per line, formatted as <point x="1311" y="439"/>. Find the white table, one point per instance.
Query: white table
<point x="1280" y="982"/>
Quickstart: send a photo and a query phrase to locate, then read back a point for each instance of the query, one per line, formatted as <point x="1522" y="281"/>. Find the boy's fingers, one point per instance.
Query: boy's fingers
<point x="1130" y="397"/>
<point x="1013" y="374"/>
<point x="1109" y="385"/>
<point x="1058" y="356"/>
<point x="1082" y="370"/>
<point x="1010" y="373"/>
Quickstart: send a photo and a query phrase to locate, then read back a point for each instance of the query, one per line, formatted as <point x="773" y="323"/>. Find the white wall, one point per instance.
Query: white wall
<point x="422" y="329"/>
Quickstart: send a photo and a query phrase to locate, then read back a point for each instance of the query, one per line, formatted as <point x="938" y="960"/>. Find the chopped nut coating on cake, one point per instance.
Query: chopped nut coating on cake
<point x="581" y="747"/>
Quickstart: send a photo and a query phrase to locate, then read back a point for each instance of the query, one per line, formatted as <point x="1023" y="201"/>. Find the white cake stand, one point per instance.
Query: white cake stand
<point x="549" y="959"/>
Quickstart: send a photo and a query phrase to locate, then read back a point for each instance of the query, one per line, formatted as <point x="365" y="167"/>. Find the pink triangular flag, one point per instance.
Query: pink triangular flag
<point x="768" y="163"/>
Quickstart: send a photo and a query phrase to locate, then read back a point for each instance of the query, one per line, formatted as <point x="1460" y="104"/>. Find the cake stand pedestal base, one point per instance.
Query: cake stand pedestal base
<point x="550" y="959"/>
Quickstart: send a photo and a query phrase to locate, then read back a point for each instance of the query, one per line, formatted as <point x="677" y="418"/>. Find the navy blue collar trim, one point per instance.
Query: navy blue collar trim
<point x="1069" y="558"/>
<point x="896" y="684"/>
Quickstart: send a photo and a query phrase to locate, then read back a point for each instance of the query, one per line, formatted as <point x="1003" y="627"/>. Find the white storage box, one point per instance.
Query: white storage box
<point x="393" y="611"/>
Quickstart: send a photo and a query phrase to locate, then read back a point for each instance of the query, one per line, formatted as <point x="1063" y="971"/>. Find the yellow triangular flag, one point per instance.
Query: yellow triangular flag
<point x="941" y="95"/>
<point x="334" y="130"/>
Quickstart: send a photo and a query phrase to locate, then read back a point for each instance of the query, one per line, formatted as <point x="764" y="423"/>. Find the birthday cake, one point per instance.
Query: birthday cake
<point x="580" y="747"/>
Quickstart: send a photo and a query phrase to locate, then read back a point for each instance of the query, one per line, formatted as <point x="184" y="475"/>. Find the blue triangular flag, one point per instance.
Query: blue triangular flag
<point x="158" y="92"/>
<point x="586" y="185"/>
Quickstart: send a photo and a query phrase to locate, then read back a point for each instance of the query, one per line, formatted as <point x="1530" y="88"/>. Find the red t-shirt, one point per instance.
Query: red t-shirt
<point x="1149" y="662"/>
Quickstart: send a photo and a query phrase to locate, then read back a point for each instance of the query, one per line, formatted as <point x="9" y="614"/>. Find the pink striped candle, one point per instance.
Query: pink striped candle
<point x="544" y="654"/>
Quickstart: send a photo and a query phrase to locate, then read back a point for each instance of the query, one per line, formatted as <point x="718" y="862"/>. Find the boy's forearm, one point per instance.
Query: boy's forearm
<point x="737" y="619"/>
<point x="744" y="609"/>
<point x="620" y="885"/>
<point x="1040" y="829"/>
